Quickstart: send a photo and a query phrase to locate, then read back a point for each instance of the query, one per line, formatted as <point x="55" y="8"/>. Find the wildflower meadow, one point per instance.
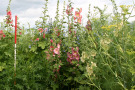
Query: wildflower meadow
<point x="66" y="54"/>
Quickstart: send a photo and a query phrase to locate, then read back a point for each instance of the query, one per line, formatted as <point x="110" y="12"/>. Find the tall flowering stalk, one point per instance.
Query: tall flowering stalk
<point x="2" y="34"/>
<point x="78" y="16"/>
<point x="74" y="56"/>
<point x="9" y="19"/>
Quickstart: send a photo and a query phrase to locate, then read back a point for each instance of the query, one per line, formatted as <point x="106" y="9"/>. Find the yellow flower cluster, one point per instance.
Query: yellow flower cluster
<point x="108" y="27"/>
<point x="125" y="8"/>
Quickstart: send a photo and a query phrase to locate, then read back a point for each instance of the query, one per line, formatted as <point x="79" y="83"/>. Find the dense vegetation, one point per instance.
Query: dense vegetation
<point x="64" y="54"/>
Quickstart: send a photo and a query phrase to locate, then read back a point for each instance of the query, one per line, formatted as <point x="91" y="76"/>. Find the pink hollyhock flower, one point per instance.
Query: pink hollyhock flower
<point x="56" y="51"/>
<point x="69" y="60"/>
<point x="1" y="32"/>
<point x="79" y="20"/>
<point x="4" y="35"/>
<point x="77" y="57"/>
<point x="40" y="30"/>
<point x="37" y="39"/>
<point x="53" y="54"/>
<point x="77" y="14"/>
<point x="69" y="11"/>
<point x="70" y="56"/>
<point x="9" y="17"/>
<point x="75" y="53"/>
<point x="80" y="10"/>
<point x="67" y="6"/>
<point x="74" y="18"/>
<point x="9" y="13"/>
<point x="60" y="42"/>
<point x="77" y="48"/>
<point x="56" y="29"/>
<point x="58" y="34"/>
<point x="51" y="40"/>
<point x="72" y="9"/>
<point x="51" y="48"/>
<point x="48" y="56"/>
<point x="45" y="29"/>
<point x="58" y="46"/>
<point x="58" y="70"/>
<point x="43" y="35"/>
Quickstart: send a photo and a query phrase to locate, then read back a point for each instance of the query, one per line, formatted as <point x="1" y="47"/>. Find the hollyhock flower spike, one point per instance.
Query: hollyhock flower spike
<point x="69" y="10"/>
<point x="9" y="17"/>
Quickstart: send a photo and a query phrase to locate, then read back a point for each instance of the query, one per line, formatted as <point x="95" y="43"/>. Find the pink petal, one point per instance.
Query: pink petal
<point x="58" y="46"/>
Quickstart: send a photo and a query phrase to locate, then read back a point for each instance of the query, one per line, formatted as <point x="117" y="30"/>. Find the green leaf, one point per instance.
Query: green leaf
<point x="42" y="45"/>
<point x="33" y="49"/>
<point x="1" y="68"/>
<point x="8" y="54"/>
<point x="69" y="78"/>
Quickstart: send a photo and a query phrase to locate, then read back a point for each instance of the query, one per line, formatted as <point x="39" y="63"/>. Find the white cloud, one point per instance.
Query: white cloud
<point x="31" y="10"/>
<point x="31" y="13"/>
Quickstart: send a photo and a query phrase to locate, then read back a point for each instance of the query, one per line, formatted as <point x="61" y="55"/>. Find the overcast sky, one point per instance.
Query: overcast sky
<point x="31" y="10"/>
